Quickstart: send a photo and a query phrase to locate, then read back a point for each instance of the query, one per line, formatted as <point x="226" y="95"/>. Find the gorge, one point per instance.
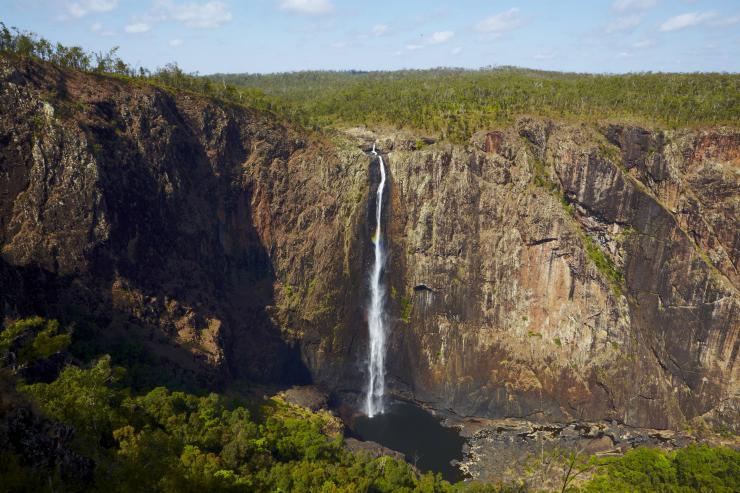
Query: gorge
<point x="546" y="280"/>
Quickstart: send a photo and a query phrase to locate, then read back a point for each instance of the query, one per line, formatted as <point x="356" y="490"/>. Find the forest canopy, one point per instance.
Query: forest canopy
<point x="448" y="103"/>
<point x="454" y="103"/>
<point x="71" y="424"/>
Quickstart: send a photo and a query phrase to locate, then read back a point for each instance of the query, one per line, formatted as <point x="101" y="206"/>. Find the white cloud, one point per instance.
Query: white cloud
<point x="624" y="23"/>
<point x="436" y="38"/>
<point x="339" y="44"/>
<point x="137" y="27"/>
<point x="625" y="5"/>
<point x="644" y="43"/>
<point x="456" y="51"/>
<point x="380" y="30"/>
<point x="312" y="7"/>
<point x="440" y="37"/>
<point x="377" y="31"/>
<point x="201" y="15"/>
<point x="623" y="54"/>
<point x="686" y="20"/>
<point x="175" y="42"/>
<point x="99" y="28"/>
<point x="505" y="21"/>
<point x="84" y="7"/>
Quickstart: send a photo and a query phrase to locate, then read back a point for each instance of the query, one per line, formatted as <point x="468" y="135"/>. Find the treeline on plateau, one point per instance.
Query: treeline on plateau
<point x="30" y="45"/>
<point x="72" y="420"/>
<point x="12" y="40"/>
<point x="448" y="103"/>
<point x="454" y="103"/>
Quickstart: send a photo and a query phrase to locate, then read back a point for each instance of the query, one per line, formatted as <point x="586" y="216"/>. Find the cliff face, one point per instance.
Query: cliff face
<point x="551" y="271"/>
<point x="565" y="273"/>
<point x="194" y="227"/>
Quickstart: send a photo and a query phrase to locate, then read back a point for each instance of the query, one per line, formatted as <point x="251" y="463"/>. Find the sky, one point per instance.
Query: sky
<point x="209" y="36"/>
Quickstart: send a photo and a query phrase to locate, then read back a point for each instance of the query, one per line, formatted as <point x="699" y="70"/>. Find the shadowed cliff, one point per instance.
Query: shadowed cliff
<point x="169" y="219"/>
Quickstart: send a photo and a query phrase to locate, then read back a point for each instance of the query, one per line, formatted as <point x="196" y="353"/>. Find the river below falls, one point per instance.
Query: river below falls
<point x="411" y="430"/>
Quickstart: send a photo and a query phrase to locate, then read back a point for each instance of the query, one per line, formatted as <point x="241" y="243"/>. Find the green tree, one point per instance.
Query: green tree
<point x="29" y="340"/>
<point x="85" y="400"/>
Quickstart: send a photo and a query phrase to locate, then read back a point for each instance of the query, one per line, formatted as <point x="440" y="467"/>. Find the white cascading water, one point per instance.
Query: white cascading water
<point x="376" y="314"/>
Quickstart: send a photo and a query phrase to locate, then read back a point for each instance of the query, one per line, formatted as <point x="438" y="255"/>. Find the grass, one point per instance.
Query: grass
<point x="407" y="306"/>
<point x="603" y="263"/>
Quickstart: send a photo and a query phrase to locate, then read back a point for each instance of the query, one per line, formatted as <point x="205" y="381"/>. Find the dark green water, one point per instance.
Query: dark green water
<point x="417" y="434"/>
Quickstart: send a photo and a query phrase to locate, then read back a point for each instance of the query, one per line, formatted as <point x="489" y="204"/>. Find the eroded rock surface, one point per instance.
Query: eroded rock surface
<point x="558" y="285"/>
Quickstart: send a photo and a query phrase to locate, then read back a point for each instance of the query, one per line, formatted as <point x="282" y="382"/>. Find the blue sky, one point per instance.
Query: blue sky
<point x="282" y="35"/>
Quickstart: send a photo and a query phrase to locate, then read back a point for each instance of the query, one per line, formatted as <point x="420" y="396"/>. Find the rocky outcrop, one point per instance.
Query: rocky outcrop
<point x="369" y="448"/>
<point x="508" y="450"/>
<point x="545" y="271"/>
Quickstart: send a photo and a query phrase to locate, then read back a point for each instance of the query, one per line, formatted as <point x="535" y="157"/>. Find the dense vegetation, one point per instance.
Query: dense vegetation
<point x="454" y="103"/>
<point x="83" y="429"/>
<point x="448" y="103"/>
<point x="692" y="469"/>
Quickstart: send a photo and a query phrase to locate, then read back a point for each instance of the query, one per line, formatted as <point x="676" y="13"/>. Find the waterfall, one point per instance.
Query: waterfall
<point x="376" y="321"/>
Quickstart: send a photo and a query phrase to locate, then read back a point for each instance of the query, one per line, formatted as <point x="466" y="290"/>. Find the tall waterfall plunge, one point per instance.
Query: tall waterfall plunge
<point x="376" y="320"/>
